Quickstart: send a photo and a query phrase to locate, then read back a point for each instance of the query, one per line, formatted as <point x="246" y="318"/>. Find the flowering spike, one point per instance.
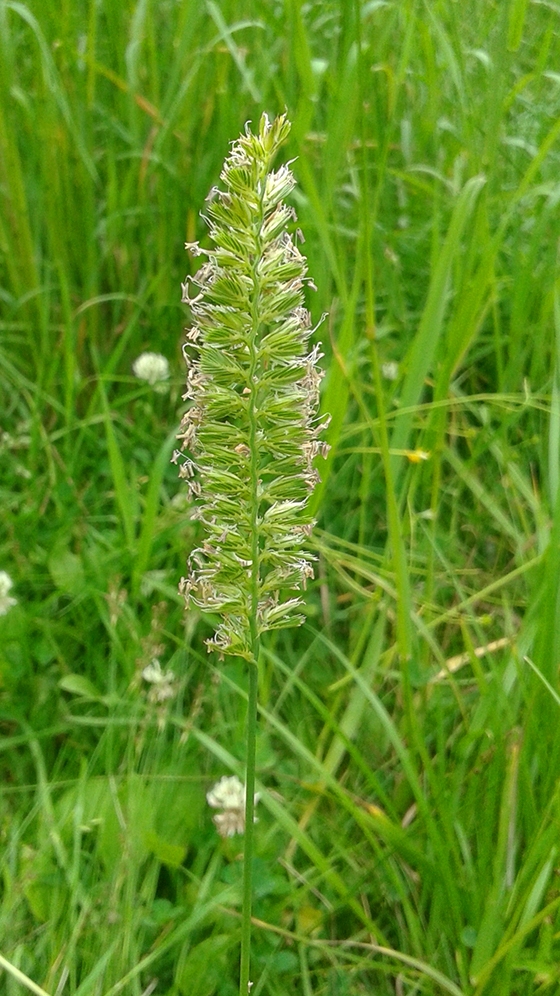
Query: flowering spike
<point x="251" y="432"/>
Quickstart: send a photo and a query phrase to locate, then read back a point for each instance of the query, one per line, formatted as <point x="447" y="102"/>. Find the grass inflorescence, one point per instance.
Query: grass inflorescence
<point x="254" y="385"/>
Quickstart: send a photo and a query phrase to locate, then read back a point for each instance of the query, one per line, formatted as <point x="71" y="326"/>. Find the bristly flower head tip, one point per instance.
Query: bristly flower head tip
<point x="250" y="435"/>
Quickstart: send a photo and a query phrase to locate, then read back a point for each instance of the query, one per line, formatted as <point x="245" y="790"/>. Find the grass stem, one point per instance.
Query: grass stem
<point x="20" y="977"/>
<point x="249" y="832"/>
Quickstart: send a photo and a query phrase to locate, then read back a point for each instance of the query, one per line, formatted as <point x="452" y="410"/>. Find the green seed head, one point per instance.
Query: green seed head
<point x="249" y="439"/>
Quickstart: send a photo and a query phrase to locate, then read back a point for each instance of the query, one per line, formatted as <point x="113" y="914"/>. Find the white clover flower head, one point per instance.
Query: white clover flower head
<point x="230" y="822"/>
<point x="7" y="602"/>
<point x="162" y="682"/>
<point x="251" y="433"/>
<point x="390" y="370"/>
<point x="153" y="368"/>
<point x="229" y="794"/>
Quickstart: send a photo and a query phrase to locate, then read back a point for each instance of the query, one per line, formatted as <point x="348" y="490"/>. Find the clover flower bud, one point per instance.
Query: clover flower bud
<point x="251" y="432"/>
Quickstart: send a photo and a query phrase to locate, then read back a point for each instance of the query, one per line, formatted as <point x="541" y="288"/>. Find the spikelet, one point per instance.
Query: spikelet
<point x="250" y="436"/>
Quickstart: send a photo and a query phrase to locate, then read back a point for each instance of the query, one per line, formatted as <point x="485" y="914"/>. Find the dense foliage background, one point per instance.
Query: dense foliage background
<point x="408" y="753"/>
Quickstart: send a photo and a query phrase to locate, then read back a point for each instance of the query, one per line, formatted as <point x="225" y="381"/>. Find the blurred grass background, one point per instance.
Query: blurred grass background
<point x="409" y="749"/>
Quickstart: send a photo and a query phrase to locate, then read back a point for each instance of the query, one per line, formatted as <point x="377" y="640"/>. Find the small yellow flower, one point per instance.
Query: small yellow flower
<point x="416" y="456"/>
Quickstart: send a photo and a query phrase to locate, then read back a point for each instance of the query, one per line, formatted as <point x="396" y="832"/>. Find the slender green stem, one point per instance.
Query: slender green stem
<point x="249" y="833"/>
<point x="20" y="977"/>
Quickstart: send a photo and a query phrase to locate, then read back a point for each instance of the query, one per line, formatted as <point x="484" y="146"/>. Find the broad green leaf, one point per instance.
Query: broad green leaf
<point x="169" y="854"/>
<point x="78" y="684"/>
<point x="67" y="572"/>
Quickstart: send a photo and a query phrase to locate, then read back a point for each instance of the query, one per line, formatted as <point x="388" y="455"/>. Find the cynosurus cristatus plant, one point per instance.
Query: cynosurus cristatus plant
<point x="250" y="436"/>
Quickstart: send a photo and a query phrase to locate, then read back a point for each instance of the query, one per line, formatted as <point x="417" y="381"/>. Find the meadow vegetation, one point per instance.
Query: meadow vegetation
<point x="408" y="750"/>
